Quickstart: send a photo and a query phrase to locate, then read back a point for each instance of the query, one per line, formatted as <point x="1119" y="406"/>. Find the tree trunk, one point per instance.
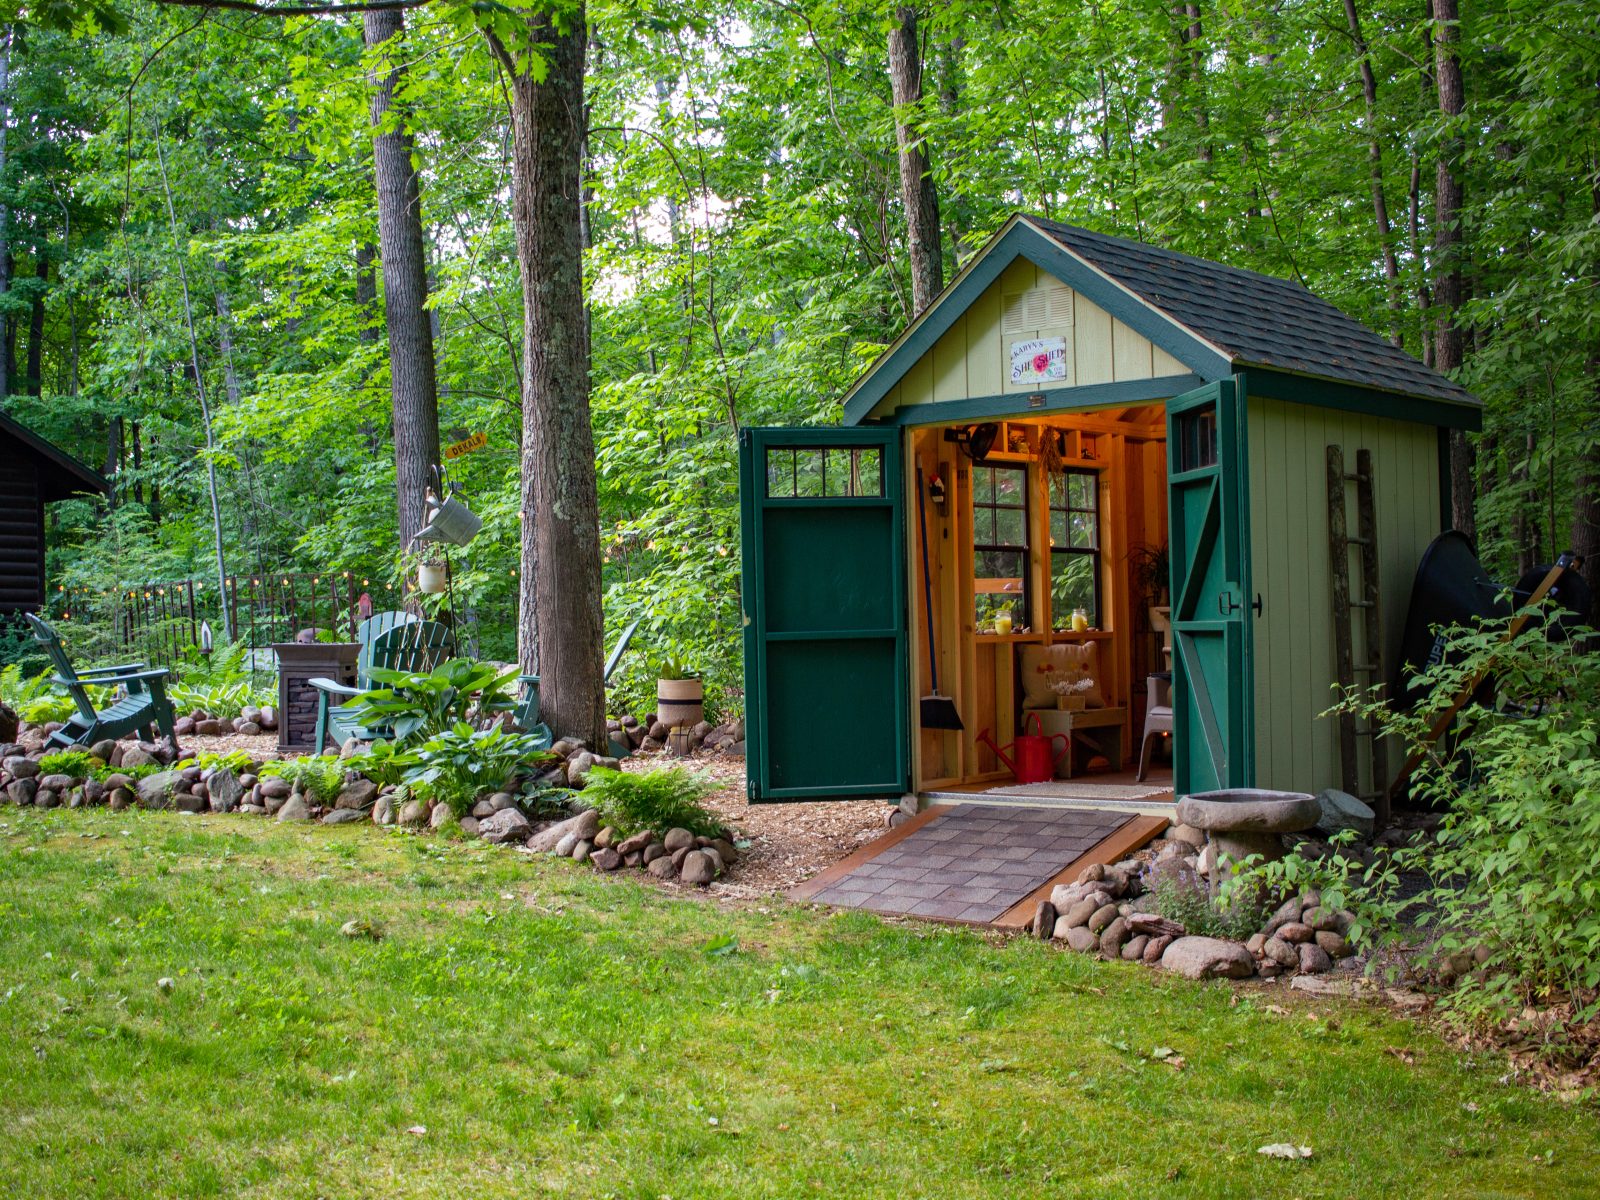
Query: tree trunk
<point x="560" y="632"/>
<point x="367" y="302"/>
<point x="917" y="192"/>
<point x="34" y="384"/>
<point x="113" y="468"/>
<point x="1447" y="250"/>
<point x="1380" y="204"/>
<point x="412" y="385"/>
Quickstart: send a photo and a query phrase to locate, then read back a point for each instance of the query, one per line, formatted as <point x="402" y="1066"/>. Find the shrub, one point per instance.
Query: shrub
<point x="46" y="708"/>
<point x="1185" y="897"/>
<point x="79" y="764"/>
<point x="222" y="701"/>
<point x="382" y="762"/>
<point x="452" y="767"/>
<point x="320" y="775"/>
<point x="658" y="800"/>
<point x="422" y="704"/>
<point x="1513" y="862"/>
<point x="1369" y="891"/>
<point x="236" y="761"/>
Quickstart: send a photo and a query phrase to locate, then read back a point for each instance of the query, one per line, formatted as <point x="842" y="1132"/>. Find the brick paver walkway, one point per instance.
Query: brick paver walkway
<point x="973" y="862"/>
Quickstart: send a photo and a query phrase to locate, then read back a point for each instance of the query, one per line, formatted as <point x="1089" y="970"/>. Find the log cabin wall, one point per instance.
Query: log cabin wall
<point x="21" y="532"/>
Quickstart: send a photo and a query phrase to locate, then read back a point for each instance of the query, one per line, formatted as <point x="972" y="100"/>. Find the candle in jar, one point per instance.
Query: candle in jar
<point x="1080" y="620"/>
<point x="1002" y="623"/>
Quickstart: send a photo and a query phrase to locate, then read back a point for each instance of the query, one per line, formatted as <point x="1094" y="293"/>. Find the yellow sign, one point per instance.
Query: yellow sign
<point x="467" y="445"/>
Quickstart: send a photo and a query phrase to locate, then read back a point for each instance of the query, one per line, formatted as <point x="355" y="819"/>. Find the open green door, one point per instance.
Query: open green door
<point x="1212" y="684"/>
<point x="823" y="581"/>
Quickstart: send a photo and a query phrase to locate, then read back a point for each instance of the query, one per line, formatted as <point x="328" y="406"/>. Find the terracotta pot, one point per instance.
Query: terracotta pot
<point x="431" y="578"/>
<point x="680" y="701"/>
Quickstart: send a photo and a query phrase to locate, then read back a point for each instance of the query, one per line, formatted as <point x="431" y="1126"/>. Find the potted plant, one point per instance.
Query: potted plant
<point x="432" y="574"/>
<point x="680" y="695"/>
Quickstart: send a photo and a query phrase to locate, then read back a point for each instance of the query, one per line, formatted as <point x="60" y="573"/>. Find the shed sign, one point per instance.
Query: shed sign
<point x="1039" y="360"/>
<point x="467" y="445"/>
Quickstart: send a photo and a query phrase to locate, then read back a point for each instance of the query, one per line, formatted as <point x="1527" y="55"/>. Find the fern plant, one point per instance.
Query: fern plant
<point x="658" y="800"/>
<point x="319" y="775"/>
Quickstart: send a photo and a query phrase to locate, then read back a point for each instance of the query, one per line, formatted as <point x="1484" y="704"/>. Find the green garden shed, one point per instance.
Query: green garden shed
<point x="1160" y="494"/>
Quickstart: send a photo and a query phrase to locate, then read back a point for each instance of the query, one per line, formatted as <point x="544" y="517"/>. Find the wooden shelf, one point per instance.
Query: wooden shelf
<point x="1014" y="638"/>
<point x="1040" y="639"/>
<point x="1088" y="635"/>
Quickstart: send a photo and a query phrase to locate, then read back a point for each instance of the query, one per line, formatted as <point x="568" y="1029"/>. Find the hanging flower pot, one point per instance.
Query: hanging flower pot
<point x="431" y="577"/>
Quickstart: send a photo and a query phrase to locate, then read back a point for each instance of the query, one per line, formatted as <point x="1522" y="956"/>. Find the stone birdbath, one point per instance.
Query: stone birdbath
<point x="1240" y="822"/>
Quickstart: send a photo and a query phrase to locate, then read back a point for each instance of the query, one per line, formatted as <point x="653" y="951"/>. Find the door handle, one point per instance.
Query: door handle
<point x="1227" y="605"/>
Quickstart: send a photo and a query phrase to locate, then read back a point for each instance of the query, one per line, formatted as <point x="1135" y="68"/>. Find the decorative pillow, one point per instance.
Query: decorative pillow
<point x="1071" y="662"/>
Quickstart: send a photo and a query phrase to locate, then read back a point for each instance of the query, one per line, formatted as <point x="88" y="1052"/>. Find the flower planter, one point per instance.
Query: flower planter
<point x="431" y="578"/>
<point x="680" y="702"/>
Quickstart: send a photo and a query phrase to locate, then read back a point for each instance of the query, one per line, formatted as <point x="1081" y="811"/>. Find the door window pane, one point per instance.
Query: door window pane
<point x="1074" y="548"/>
<point x="804" y="472"/>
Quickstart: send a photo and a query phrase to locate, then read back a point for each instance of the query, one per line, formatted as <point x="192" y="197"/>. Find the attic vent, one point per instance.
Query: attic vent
<point x="1041" y="308"/>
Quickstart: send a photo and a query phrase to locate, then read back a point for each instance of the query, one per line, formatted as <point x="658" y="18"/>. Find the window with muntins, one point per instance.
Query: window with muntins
<point x="1000" y="543"/>
<point x="1074" y="547"/>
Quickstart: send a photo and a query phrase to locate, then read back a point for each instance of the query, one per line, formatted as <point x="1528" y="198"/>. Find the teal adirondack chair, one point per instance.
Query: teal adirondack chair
<point x="526" y="711"/>
<point x="143" y="707"/>
<point x="408" y="645"/>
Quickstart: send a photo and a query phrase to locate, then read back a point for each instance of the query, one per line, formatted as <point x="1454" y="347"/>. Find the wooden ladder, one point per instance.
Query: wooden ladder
<point x="1344" y="605"/>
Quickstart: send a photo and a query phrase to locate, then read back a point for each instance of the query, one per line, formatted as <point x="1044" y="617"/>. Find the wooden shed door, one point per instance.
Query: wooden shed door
<point x="823" y="583"/>
<point x="1212" y="692"/>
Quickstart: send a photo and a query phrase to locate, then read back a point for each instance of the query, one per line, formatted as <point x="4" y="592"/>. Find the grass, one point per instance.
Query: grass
<point x="562" y="1034"/>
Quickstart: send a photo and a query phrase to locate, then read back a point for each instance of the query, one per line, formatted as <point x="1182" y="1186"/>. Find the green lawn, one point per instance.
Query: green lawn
<point x="559" y="1033"/>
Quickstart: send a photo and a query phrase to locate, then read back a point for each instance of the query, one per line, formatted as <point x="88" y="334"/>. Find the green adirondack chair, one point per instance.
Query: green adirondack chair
<point x="409" y="645"/>
<point x="526" y="711"/>
<point x="143" y="706"/>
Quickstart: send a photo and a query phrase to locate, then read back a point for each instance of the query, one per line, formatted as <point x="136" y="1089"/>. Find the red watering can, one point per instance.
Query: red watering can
<point x="1036" y="759"/>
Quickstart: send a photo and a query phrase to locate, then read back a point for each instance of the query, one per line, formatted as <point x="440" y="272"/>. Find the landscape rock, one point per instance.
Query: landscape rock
<point x="586" y="824"/>
<point x="1133" y="951"/>
<point x="1341" y="810"/>
<point x="1100" y="918"/>
<point x="343" y="816"/>
<point x="1208" y="958"/>
<point x="500" y="801"/>
<point x="1281" y="952"/>
<point x="581" y="852"/>
<point x="383" y="810"/>
<point x="138" y="756"/>
<point x="22" y="791"/>
<point x="20" y="767"/>
<point x="726" y="850"/>
<point x="294" y="809"/>
<point x="678" y="839"/>
<point x="357" y="794"/>
<point x="1080" y="939"/>
<point x="275" y="787"/>
<point x="1333" y="944"/>
<point x="661" y="867"/>
<point x="1295" y="931"/>
<point x="1156" y="948"/>
<point x="606" y="837"/>
<point x="1112" y="937"/>
<point x="1155" y="925"/>
<point x="507" y="825"/>
<point x="606" y="858"/>
<point x="652" y="852"/>
<point x="635" y="843"/>
<point x="1188" y="835"/>
<point x="188" y="802"/>
<point x="567" y="844"/>
<point x="1314" y="959"/>
<point x="441" y="816"/>
<point x="154" y="790"/>
<point x="697" y="868"/>
<point x="46" y="798"/>
<point x="413" y="814"/>
<point x="1044" y="920"/>
<point x="224" y="790"/>
<point x="120" y="798"/>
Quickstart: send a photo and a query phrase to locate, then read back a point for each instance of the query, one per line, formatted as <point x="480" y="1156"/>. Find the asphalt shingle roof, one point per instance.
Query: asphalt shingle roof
<point x="1256" y="319"/>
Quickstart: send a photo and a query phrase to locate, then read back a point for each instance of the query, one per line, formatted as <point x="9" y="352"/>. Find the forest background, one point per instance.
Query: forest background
<point x="190" y="237"/>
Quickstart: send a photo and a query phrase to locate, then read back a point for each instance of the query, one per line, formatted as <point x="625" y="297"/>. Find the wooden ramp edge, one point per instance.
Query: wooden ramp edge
<point x="1118" y="846"/>
<point x="899" y="833"/>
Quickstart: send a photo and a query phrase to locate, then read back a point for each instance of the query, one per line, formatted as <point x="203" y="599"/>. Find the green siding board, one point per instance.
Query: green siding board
<point x="1365" y="401"/>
